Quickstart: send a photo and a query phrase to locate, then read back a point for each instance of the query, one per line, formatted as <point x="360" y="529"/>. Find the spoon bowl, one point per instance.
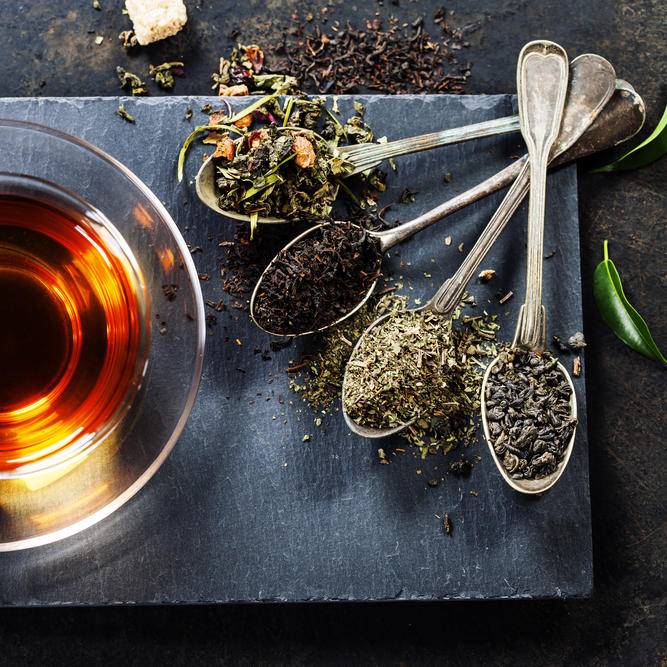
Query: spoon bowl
<point x="360" y="429"/>
<point x="530" y="486"/>
<point x="207" y="190"/>
<point x="258" y="286"/>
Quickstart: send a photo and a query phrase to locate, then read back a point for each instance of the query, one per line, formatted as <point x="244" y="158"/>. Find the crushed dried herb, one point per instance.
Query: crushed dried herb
<point x="416" y="367"/>
<point x="321" y="382"/>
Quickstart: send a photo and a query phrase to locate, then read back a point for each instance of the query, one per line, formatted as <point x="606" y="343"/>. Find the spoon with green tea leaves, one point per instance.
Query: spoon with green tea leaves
<point x="300" y="292"/>
<point x="375" y="406"/>
<point x="529" y="406"/>
<point x="276" y="174"/>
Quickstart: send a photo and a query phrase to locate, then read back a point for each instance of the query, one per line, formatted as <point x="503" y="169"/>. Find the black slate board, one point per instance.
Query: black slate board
<point x="243" y="509"/>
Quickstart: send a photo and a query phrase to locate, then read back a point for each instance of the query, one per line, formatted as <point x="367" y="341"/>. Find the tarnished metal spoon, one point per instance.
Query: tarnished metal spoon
<point x="620" y="118"/>
<point x="591" y="86"/>
<point x="541" y="82"/>
<point x="362" y="156"/>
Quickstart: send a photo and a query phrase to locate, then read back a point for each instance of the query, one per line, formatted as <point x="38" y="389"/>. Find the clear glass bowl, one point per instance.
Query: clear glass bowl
<point x="42" y="508"/>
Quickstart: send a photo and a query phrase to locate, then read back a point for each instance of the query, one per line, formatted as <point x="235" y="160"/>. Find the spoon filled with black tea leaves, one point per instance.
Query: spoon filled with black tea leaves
<point x="328" y="272"/>
<point x="529" y="406"/>
<point x="377" y="405"/>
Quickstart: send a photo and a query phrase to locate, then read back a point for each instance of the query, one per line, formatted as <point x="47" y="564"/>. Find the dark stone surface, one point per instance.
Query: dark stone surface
<point x="624" y="621"/>
<point x="246" y="491"/>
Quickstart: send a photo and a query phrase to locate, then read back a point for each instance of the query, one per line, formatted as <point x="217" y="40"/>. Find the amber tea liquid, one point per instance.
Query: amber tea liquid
<point x="73" y="328"/>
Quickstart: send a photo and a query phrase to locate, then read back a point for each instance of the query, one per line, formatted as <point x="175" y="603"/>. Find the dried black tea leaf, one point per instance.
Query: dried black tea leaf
<point x="317" y="280"/>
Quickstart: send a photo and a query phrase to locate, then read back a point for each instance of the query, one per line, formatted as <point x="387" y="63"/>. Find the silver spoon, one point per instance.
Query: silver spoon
<point x="539" y="111"/>
<point x="626" y="110"/>
<point x="591" y="86"/>
<point x="362" y="156"/>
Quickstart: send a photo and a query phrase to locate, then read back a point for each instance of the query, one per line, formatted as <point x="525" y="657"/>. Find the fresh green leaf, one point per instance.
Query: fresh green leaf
<point x="648" y="151"/>
<point x="617" y="312"/>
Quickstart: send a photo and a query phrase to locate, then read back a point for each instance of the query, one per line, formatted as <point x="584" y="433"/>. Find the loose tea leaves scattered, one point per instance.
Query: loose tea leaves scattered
<point x="128" y="39"/>
<point x="164" y="73"/>
<point x="529" y="413"/>
<point x="241" y="74"/>
<point x="317" y="280"/>
<point x="136" y="85"/>
<point x="121" y="111"/>
<point x="618" y="313"/>
<point x="414" y="367"/>
<point x="400" y="59"/>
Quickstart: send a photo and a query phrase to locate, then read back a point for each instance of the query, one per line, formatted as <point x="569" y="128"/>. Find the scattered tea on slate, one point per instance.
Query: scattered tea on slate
<point x="316" y="281"/>
<point x="529" y="413"/>
<point x="322" y="367"/>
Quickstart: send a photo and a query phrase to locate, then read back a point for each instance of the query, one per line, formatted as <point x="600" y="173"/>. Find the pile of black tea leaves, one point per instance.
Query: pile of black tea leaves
<point x="316" y="281"/>
<point x="529" y="413"/>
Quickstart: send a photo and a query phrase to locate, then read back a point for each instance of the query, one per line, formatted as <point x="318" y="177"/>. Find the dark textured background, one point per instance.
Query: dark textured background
<point x="624" y="621"/>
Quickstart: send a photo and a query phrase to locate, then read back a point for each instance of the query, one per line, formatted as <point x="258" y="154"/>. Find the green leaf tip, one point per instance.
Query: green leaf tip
<point x="650" y="150"/>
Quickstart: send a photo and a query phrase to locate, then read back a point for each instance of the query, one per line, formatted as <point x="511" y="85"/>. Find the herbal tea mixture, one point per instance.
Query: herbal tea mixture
<point x="416" y="366"/>
<point x="279" y="172"/>
<point x="529" y="414"/>
<point x="316" y="281"/>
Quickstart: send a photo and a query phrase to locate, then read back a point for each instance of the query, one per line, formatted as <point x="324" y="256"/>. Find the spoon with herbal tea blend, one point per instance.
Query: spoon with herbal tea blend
<point x="374" y="404"/>
<point x="315" y="164"/>
<point x="529" y="408"/>
<point x="329" y="271"/>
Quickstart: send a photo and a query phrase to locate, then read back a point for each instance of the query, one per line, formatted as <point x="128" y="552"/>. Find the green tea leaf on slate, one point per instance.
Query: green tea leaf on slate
<point x="618" y="313"/>
<point x="648" y="151"/>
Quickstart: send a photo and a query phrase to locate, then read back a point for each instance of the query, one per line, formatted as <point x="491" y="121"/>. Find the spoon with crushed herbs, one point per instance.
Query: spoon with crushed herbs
<point x="529" y="409"/>
<point x="591" y="87"/>
<point x="278" y="174"/>
<point x="290" y="300"/>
